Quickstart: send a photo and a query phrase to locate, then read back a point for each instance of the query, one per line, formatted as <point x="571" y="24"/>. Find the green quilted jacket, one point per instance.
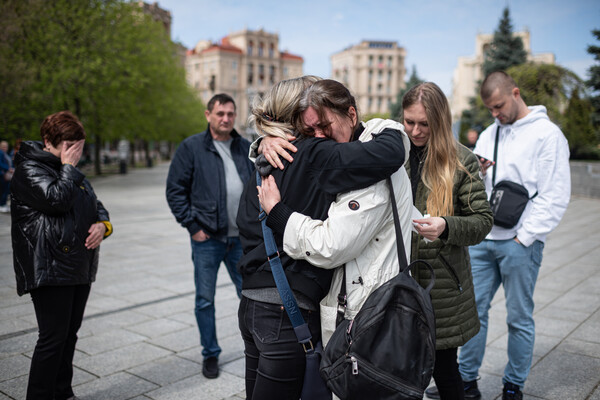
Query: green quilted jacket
<point x="452" y="295"/>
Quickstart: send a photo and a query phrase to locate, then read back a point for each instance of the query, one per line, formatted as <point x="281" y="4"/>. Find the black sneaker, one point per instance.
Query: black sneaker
<point x="511" y="392"/>
<point x="210" y="367"/>
<point x="471" y="391"/>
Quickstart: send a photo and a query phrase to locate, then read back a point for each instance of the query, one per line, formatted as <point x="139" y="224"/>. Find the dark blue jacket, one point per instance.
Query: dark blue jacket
<point x="196" y="190"/>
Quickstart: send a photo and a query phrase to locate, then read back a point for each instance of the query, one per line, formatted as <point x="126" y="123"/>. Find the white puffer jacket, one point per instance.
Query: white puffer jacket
<point x="359" y="232"/>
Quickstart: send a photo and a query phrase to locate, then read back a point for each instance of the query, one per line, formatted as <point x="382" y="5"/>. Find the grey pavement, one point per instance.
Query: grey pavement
<point x="139" y="338"/>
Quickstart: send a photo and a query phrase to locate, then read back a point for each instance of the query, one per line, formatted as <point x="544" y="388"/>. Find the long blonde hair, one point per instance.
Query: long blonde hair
<point x="441" y="162"/>
<point x="272" y="113"/>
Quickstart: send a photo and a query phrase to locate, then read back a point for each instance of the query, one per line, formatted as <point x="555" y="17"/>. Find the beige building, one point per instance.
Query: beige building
<point x="243" y="64"/>
<point x="469" y="71"/>
<point x="373" y="71"/>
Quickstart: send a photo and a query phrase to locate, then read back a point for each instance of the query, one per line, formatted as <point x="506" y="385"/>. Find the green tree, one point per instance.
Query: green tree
<point x="578" y="126"/>
<point x="594" y="82"/>
<point x="506" y="49"/>
<point x="476" y="117"/>
<point x="105" y="60"/>
<point x="396" y="108"/>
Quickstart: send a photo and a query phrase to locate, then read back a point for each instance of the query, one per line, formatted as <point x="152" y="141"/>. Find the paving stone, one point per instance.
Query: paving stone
<point x="563" y="375"/>
<point x="109" y="340"/>
<point x="556" y="312"/>
<point x="236" y="367"/>
<point x="178" y="341"/>
<point x="14" y="366"/>
<point x="112" y="321"/>
<point x="157" y="327"/>
<point x="589" y="349"/>
<point x="15" y="388"/>
<point x="589" y="331"/>
<point x="554" y="327"/>
<point x="118" y="386"/>
<point x="167" y="370"/>
<point x="120" y="359"/>
<point x="18" y="344"/>
<point x="224" y="386"/>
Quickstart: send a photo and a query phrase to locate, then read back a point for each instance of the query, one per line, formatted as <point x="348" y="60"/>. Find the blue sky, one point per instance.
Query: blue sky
<point x="434" y="33"/>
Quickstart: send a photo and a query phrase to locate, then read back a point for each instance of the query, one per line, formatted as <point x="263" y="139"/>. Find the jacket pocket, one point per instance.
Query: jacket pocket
<point x="205" y="213"/>
<point x="452" y="271"/>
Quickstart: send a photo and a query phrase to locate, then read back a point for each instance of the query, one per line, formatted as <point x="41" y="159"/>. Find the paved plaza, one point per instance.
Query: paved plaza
<point x="139" y="338"/>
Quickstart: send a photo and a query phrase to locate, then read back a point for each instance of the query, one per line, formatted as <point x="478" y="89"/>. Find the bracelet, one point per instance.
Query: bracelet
<point x="67" y="163"/>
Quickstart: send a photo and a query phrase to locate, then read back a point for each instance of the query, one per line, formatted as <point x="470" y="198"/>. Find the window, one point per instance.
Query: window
<point x="250" y="73"/>
<point x="285" y="72"/>
<point x="234" y="65"/>
<point x="250" y="47"/>
<point x="370" y="61"/>
<point x="261" y="48"/>
<point x="272" y="74"/>
<point x="390" y="61"/>
<point x="261" y="74"/>
<point x="271" y="50"/>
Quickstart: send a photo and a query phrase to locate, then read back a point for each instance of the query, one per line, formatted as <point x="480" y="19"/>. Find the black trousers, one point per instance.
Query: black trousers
<point x="446" y="375"/>
<point x="275" y="361"/>
<point x="59" y="312"/>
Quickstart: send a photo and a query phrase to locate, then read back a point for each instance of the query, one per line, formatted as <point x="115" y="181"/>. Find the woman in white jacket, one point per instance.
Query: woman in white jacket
<point x="359" y="231"/>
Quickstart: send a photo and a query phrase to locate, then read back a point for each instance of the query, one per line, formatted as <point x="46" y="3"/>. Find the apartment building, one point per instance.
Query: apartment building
<point x="469" y="71"/>
<point x="243" y="64"/>
<point x="374" y="72"/>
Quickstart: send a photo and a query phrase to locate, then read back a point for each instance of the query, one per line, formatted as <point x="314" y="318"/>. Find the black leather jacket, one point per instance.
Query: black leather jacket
<point x="52" y="207"/>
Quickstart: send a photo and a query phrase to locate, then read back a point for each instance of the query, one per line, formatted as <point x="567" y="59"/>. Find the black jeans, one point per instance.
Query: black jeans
<point x="59" y="312"/>
<point x="275" y="361"/>
<point x="446" y="375"/>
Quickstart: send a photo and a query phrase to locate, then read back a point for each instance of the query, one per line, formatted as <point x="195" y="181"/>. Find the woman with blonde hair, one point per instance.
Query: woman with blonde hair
<point x="275" y="361"/>
<point x="448" y="191"/>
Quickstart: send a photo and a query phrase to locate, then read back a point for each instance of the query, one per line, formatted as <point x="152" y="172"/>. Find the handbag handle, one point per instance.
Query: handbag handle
<point x="283" y="287"/>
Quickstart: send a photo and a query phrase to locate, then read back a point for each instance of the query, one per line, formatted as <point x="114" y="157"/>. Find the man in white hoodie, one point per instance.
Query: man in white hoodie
<point x="533" y="152"/>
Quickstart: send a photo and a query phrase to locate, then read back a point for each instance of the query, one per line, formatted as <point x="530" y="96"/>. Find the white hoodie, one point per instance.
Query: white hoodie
<point x="533" y="152"/>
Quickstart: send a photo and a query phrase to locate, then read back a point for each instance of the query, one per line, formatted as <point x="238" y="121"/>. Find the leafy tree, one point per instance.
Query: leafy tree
<point x="105" y="60"/>
<point x="594" y="82"/>
<point x="578" y="126"/>
<point x="396" y="108"/>
<point x="476" y="117"/>
<point x="506" y="49"/>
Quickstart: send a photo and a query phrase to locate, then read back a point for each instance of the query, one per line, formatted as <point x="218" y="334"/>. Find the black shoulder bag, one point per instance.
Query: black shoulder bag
<point x="388" y="350"/>
<point x="508" y="199"/>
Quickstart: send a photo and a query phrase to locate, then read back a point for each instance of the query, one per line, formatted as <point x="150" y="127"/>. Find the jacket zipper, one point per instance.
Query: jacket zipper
<point x="452" y="272"/>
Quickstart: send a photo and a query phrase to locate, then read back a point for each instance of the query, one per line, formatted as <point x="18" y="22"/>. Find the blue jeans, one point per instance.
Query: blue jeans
<point x="516" y="267"/>
<point x="207" y="257"/>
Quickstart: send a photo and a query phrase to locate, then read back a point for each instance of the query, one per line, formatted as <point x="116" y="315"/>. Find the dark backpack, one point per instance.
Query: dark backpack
<point x="388" y="350"/>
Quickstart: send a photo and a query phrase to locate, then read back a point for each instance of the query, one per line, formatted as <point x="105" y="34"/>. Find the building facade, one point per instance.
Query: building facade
<point x="373" y="71"/>
<point x="469" y="71"/>
<point x="243" y="64"/>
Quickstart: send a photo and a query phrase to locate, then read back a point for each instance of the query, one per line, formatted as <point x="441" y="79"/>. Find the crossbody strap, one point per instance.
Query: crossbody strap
<point x="283" y="287"/>
<point x="495" y="156"/>
<point x="496" y="161"/>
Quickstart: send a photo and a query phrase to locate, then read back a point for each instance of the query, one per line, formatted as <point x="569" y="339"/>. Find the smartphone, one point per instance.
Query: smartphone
<point x="485" y="161"/>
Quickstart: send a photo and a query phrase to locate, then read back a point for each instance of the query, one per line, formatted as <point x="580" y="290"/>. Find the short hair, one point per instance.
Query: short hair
<point x="272" y="113"/>
<point x="326" y="94"/>
<point x="221" y="98"/>
<point x="497" y="80"/>
<point x="61" y="126"/>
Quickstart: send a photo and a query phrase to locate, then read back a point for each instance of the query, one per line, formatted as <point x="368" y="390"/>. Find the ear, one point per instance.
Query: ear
<point x="353" y="116"/>
<point x="516" y="92"/>
<point x="206" y="113"/>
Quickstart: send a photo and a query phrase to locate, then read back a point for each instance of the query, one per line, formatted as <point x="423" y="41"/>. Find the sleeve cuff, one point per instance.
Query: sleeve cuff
<point x="278" y="217"/>
<point x="444" y="234"/>
<point x="109" y="228"/>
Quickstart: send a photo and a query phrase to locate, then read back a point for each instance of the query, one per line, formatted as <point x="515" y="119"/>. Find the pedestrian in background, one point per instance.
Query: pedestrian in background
<point x="204" y="185"/>
<point x="448" y="191"/>
<point x="57" y="227"/>
<point x="6" y="174"/>
<point x="532" y="152"/>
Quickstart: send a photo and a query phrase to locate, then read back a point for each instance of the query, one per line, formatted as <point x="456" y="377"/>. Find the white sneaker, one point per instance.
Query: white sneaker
<point x="4" y="209"/>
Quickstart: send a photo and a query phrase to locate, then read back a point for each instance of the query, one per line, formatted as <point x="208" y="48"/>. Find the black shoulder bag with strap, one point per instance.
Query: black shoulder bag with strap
<point x="314" y="387"/>
<point x="388" y="350"/>
<point x="508" y="199"/>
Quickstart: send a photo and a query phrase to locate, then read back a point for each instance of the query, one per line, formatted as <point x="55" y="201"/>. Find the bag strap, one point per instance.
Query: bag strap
<point x="495" y="156"/>
<point x="283" y="287"/>
<point x="496" y="162"/>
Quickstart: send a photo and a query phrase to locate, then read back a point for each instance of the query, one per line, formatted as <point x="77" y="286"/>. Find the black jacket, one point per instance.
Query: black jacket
<point x="196" y="190"/>
<point x="321" y="169"/>
<point x="53" y="206"/>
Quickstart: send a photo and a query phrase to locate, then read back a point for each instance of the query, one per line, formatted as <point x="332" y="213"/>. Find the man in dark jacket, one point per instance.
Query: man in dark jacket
<point x="204" y="185"/>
